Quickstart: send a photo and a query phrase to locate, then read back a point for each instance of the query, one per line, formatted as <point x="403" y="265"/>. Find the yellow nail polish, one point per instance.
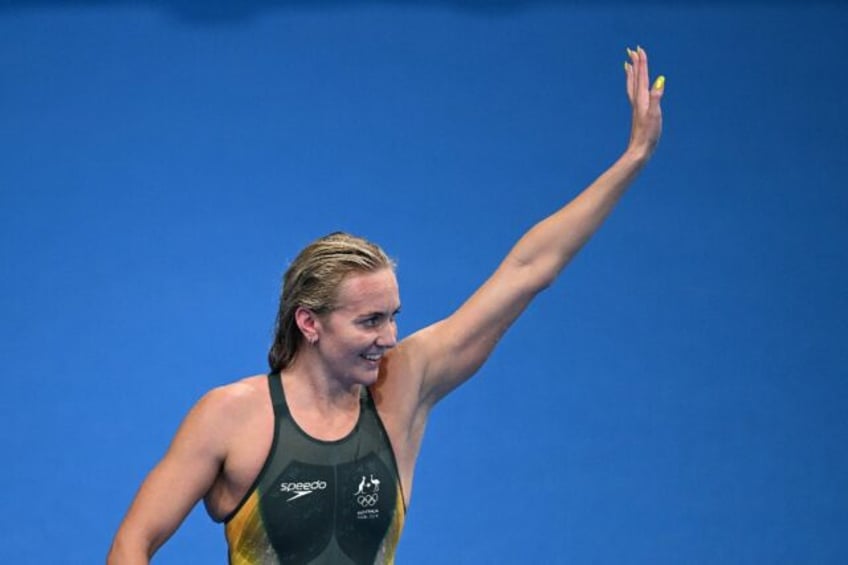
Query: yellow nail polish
<point x="659" y="84"/>
<point x="625" y="66"/>
<point x="629" y="52"/>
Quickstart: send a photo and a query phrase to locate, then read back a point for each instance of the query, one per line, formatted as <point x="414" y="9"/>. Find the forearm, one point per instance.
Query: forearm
<point x="548" y="247"/>
<point x="455" y="347"/>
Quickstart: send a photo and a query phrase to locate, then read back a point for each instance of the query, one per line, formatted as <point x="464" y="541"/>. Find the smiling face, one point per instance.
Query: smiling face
<point x="311" y="287"/>
<point x="354" y="336"/>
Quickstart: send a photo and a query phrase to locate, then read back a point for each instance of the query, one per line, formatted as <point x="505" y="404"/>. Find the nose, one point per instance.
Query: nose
<point x="387" y="338"/>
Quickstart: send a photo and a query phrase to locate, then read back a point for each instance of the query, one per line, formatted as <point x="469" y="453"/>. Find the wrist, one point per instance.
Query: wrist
<point x="636" y="156"/>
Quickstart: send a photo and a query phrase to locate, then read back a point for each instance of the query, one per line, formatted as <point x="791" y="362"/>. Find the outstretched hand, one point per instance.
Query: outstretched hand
<point x="645" y="101"/>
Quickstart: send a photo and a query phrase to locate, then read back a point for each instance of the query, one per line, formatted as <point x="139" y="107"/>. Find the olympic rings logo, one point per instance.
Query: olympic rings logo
<point x="367" y="500"/>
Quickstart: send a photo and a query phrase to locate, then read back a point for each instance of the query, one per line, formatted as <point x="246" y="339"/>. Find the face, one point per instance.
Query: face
<point x="353" y="338"/>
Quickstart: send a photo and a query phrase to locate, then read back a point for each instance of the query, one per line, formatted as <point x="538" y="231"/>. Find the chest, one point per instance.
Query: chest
<point x="307" y="503"/>
<point x="325" y="501"/>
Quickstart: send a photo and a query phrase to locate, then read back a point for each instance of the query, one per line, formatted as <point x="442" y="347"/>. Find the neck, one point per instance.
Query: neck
<point x="309" y="384"/>
<point x="321" y="405"/>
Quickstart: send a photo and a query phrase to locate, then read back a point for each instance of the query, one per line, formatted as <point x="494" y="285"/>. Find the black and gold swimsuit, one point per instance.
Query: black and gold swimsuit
<point x="320" y="502"/>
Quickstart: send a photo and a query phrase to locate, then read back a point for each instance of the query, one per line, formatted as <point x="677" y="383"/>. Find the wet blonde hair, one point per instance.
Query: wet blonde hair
<point x="312" y="281"/>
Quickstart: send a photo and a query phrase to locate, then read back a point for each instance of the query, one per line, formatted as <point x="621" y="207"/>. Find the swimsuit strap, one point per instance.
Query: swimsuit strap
<point x="278" y="396"/>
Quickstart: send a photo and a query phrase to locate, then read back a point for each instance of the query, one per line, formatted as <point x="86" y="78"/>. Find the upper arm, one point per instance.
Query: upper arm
<point x="452" y="349"/>
<point x="179" y="480"/>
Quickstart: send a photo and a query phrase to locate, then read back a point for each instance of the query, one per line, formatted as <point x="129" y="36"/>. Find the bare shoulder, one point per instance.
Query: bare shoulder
<point x="236" y="395"/>
<point x="232" y="402"/>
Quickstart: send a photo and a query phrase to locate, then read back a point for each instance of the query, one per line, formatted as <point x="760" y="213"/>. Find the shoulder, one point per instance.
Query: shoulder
<point x="229" y="404"/>
<point x="238" y="393"/>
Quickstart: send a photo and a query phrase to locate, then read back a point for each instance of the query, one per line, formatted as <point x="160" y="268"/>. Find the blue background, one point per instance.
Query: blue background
<point x="678" y="396"/>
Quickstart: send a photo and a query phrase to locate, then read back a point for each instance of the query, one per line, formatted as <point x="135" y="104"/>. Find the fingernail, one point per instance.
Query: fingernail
<point x="629" y="52"/>
<point x="659" y="84"/>
<point x="626" y="64"/>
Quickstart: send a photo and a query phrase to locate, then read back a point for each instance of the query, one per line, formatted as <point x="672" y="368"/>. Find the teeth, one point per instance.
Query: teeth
<point x="372" y="357"/>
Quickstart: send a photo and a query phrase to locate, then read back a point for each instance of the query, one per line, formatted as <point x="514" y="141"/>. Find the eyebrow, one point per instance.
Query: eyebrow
<point x="379" y="313"/>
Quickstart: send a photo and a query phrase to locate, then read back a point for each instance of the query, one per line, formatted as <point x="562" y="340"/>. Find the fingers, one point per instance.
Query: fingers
<point x="638" y="80"/>
<point x="642" y="56"/>
<point x="631" y="88"/>
<point x="636" y="75"/>
<point x="632" y="74"/>
<point x="658" y="88"/>
<point x="646" y="125"/>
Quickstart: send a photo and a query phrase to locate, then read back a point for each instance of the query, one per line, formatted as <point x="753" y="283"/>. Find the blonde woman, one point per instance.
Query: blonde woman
<point x="314" y="461"/>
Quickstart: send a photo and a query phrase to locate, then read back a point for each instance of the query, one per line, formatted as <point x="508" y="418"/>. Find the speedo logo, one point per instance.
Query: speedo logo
<point x="302" y="489"/>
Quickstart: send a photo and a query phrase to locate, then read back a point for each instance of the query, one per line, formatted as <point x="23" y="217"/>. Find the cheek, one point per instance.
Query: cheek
<point x="353" y="343"/>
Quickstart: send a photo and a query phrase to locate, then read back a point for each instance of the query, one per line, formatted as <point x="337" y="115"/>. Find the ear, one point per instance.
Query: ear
<point x="308" y="323"/>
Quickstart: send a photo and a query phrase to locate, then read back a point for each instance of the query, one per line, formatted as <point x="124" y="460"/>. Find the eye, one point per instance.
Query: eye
<point x="371" y="321"/>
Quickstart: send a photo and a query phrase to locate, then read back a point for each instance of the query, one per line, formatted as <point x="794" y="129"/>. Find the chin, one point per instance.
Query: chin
<point x="368" y="378"/>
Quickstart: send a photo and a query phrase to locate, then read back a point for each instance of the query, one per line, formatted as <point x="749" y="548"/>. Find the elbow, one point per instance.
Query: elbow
<point x="537" y="279"/>
<point x="115" y="550"/>
<point x="124" y="551"/>
<point x="537" y="275"/>
<point x="544" y="280"/>
<point x="118" y="552"/>
<point x="114" y="557"/>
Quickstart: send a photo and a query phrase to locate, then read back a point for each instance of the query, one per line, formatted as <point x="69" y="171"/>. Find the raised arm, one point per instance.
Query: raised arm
<point x="450" y="351"/>
<point x="175" y="485"/>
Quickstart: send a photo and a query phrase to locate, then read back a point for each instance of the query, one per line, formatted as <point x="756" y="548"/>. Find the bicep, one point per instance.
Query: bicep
<point x="453" y="349"/>
<point x="430" y="363"/>
<point x="177" y="483"/>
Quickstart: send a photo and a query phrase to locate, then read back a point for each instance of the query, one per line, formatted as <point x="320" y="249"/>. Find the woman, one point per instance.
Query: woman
<point x="313" y="463"/>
